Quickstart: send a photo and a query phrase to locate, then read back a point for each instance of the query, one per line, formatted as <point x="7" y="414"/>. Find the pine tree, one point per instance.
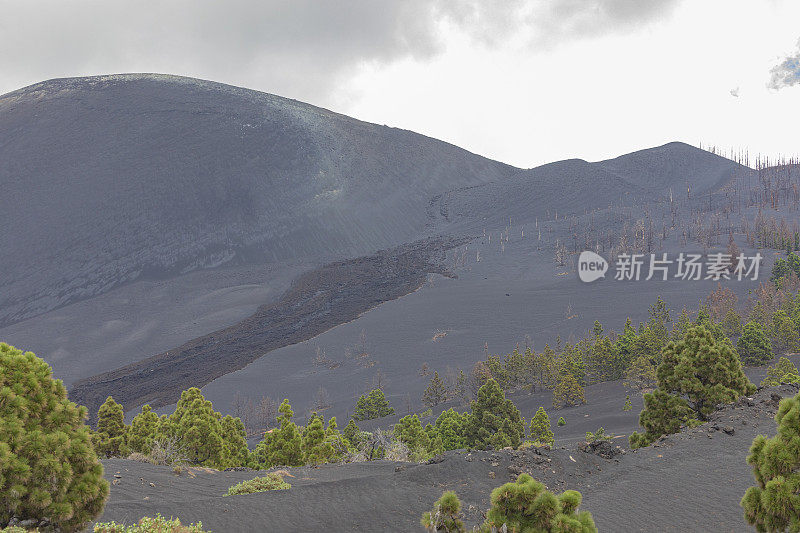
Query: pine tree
<point x="197" y="427"/>
<point x="316" y="448"/>
<point x="337" y="441"/>
<point x="784" y="371"/>
<point x="234" y="442"/>
<point x="409" y="431"/>
<point x="373" y="405"/>
<point x="494" y="421"/>
<point x="773" y="505"/>
<point x="48" y="466"/>
<point x="753" y="346"/>
<point x="450" y="427"/>
<point x="284" y="445"/>
<point x="351" y="432"/>
<point x="112" y="434"/>
<point x="540" y="428"/>
<point x="597" y="329"/>
<point x="568" y="392"/>
<point x="627" y="406"/>
<point x="526" y="506"/>
<point x="697" y="374"/>
<point x="561" y="421"/>
<point x="435" y="393"/>
<point x="143" y="431"/>
<point x="446" y="515"/>
<point x="641" y="375"/>
<point x="783" y="333"/>
<point x="704" y="370"/>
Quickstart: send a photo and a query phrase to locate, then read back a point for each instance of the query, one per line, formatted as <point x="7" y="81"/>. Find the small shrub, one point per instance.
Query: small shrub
<point x="784" y="371"/>
<point x="446" y="515"/>
<point x="561" y="421"/>
<point x="147" y="524"/>
<point x="272" y="481"/>
<point x="426" y="413"/>
<point x="600" y="434"/>
<point x="627" y="406"/>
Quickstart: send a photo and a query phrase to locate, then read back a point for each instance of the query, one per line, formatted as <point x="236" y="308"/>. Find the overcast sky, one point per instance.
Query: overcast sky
<point x="522" y="81"/>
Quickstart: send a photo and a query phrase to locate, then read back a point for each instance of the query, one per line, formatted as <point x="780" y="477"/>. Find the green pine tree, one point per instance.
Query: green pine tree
<point x="234" y="442"/>
<point x="111" y="439"/>
<point x="784" y="371"/>
<point x="446" y="515"/>
<point x="697" y="374"/>
<point x="494" y="421"/>
<point x="143" y="430"/>
<point x="568" y="392"/>
<point x="627" y="406"/>
<point x="282" y="446"/>
<point x="526" y="506"/>
<point x="48" y="466"/>
<point x="351" y="432"/>
<point x="753" y="346"/>
<point x="450" y="427"/>
<point x="540" y="428"/>
<point x="773" y="504"/>
<point x="373" y="405"/>
<point x="316" y="449"/>
<point x="198" y="429"/>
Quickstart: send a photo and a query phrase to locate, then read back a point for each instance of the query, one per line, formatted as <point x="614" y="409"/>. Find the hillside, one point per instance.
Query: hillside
<point x="135" y="177"/>
<point x="625" y="491"/>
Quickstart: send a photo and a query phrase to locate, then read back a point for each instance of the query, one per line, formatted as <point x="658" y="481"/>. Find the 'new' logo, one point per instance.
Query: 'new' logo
<point x="591" y="266"/>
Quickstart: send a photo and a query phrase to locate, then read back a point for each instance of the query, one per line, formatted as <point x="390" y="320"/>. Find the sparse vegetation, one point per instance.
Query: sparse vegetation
<point x="158" y="524"/>
<point x="595" y="436"/>
<point x="272" y="481"/>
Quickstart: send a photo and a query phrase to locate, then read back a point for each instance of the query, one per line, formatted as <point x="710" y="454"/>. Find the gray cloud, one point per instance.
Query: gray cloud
<point x="298" y="48"/>
<point x="787" y="72"/>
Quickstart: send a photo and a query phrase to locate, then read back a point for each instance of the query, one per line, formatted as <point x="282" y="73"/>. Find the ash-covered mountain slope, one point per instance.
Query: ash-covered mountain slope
<point x="115" y="178"/>
<point x="575" y="187"/>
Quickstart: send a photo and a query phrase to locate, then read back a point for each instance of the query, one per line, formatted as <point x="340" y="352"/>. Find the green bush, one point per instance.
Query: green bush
<point x="494" y="420"/>
<point x="568" y="391"/>
<point x="48" y="466"/>
<point x="784" y="371"/>
<point x="600" y="434"/>
<point x="526" y="506"/>
<point x="446" y="515"/>
<point x="561" y="421"/>
<point x="540" y="428"/>
<point x="773" y="504"/>
<point x="753" y="346"/>
<point x="111" y="439"/>
<point x="627" y="406"/>
<point x="272" y="481"/>
<point x="282" y="446"/>
<point x="373" y="405"/>
<point x="696" y="375"/>
<point x="158" y="524"/>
